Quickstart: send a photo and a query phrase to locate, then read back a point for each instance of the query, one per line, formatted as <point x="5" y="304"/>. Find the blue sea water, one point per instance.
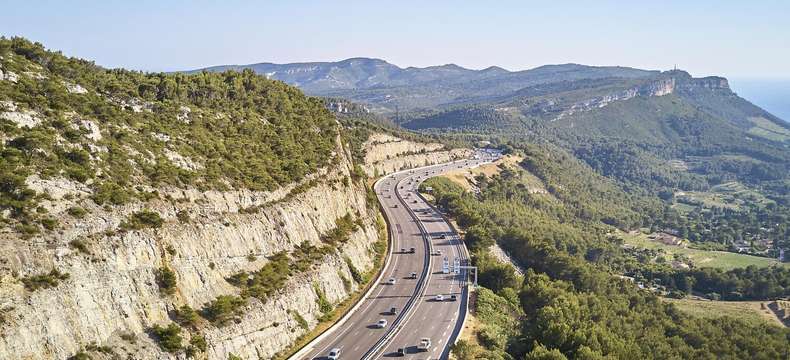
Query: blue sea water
<point x="773" y="95"/>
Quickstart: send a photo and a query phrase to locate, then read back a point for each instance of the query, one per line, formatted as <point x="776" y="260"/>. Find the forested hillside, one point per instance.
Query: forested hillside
<point x="121" y="133"/>
<point x="570" y="304"/>
<point x="720" y="165"/>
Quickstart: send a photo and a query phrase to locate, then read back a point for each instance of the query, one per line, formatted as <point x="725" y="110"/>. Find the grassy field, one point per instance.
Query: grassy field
<point x="749" y="311"/>
<point x="730" y="195"/>
<point x="767" y="129"/>
<point x="700" y="258"/>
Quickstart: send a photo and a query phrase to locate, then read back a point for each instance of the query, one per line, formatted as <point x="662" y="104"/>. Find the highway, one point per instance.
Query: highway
<point x="412" y="224"/>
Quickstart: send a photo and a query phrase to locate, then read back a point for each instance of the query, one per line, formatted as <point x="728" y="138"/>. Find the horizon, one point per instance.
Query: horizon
<point x="524" y="37"/>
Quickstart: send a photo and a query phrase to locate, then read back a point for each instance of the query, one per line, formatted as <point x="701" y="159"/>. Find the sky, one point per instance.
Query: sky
<point x="733" y="39"/>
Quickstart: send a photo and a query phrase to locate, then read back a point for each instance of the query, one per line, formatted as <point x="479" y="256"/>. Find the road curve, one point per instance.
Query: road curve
<point x="412" y="224"/>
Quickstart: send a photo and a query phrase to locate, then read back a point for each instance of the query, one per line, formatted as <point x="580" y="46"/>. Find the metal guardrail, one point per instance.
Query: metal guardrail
<point x="307" y="348"/>
<point x="419" y="291"/>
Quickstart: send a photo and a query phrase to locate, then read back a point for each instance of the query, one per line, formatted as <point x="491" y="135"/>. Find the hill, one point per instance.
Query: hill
<point x="386" y="87"/>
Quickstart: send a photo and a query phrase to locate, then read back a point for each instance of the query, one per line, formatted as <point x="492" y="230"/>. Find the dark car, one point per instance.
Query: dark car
<point x="400" y="352"/>
<point x="393" y="311"/>
<point x="412" y="250"/>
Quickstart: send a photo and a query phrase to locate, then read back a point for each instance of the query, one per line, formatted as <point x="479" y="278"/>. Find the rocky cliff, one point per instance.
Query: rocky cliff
<point x="385" y="154"/>
<point x="111" y="296"/>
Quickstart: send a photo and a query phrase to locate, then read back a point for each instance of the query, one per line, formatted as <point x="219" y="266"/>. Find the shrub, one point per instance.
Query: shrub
<point x="45" y="281"/>
<point x="80" y="355"/>
<point x="199" y="342"/>
<point x="27" y="230"/>
<point x="166" y="279"/>
<point x="355" y="274"/>
<point x="186" y="315"/>
<point x="143" y="219"/>
<point x="168" y="338"/>
<point x="49" y="223"/>
<point x="223" y="308"/>
<point x="112" y="193"/>
<point x="323" y="304"/>
<point x="77" y="212"/>
<point x="80" y="245"/>
<point x="300" y="320"/>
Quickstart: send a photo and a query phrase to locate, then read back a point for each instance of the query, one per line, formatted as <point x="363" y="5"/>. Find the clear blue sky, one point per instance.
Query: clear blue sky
<point x="730" y="38"/>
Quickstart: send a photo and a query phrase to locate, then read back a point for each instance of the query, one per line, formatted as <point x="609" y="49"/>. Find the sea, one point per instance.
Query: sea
<point x="773" y="95"/>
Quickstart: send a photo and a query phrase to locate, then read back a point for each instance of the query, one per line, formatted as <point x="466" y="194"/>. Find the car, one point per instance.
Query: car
<point x="438" y="297"/>
<point x="425" y="344"/>
<point x="413" y="275"/>
<point x="443" y="236"/>
<point x="391" y="281"/>
<point x="412" y="250"/>
<point x="400" y="352"/>
<point x="415" y="201"/>
<point x="334" y="354"/>
<point x="453" y="297"/>
<point x="395" y="206"/>
<point x="393" y="311"/>
<point x="437" y="252"/>
<point x="382" y="323"/>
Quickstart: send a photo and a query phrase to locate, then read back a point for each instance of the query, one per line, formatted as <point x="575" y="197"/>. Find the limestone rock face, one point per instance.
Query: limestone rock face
<point x="112" y="289"/>
<point x="385" y="154"/>
<point x="111" y="297"/>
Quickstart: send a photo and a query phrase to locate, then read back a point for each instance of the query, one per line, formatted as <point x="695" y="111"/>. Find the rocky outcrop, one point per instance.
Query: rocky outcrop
<point x="661" y="87"/>
<point x="385" y="154"/>
<point x="111" y="295"/>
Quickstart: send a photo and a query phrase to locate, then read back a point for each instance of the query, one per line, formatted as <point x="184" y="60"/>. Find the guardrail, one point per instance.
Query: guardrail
<point x="373" y="352"/>
<point x="419" y="291"/>
<point x="307" y="348"/>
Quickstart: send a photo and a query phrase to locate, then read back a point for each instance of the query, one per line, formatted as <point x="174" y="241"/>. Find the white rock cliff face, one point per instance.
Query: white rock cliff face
<point x="113" y="290"/>
<point x="385" y="154"/>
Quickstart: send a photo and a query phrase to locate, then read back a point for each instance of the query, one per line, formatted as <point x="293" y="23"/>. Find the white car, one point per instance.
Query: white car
<point x="439" y="297"/>
<point x="382" y="323"/>
<point x="437" y="252"/>
<point x="334" y="354"/>
<point x="391" y="281"/>
<point x="425" y="344"/>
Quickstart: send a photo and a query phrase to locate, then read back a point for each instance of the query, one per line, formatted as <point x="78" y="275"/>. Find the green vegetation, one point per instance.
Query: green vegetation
<point x="236" y="129"/>
<point x="747" y="311"/>
<point x="80" y="245"/>
<point x="768" y="129"/>
<point x="166" y="278"/>
<point x="44" y="281"/>
<point x="77" y="212"/>
<point x="168" y="338"/>
<point x="187" y="316"/>
<point x="696" y="257"/>
<point x="324" y="305"/>
<point x="299" y="320"/>
<point x="569" y="305"/>
<point x="223" y="309"/>
<point x="143" y="219"/>
<point x="197" y="342"/>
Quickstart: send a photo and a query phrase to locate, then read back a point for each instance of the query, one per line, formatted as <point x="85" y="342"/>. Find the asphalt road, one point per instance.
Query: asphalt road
<point x="359" y="336"/>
